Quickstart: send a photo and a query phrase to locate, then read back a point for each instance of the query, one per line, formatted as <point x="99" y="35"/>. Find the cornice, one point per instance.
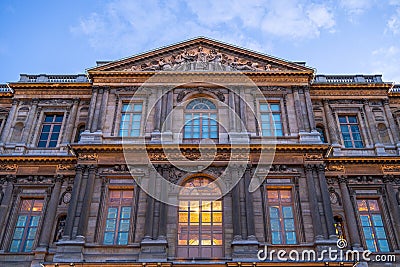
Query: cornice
<point x="376" y="160"/>
<point x="41" y="86"/>
<point x="60" y="159"/>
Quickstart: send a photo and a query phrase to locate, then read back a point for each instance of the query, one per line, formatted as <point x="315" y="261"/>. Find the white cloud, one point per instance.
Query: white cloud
<point x="125" y="26"/>
<point x="386" y="61"/>
<point x="393" y="23"/>
<point x="292" y="19"/>
<point x="356" y="7"/>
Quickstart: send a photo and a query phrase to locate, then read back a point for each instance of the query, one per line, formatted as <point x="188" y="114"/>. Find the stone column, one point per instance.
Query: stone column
<point x="51" y="211"/>
<point x="92" y="108"/>
<point x="332" y="126"/>
<point x="349" y="212"/>
<point x="243" y="111"/>
<point x="310" y="113"/>
<point x="251" y="233"/>
<point x="87" y="201"/>
<point x="157" y="115"/>
<point x="6" y="202"/>
<point x="392" y="124"/>
<point x="299" y="110"/>
<point x="170" y="106"/>
<point x="162" y="223"/>
<point x="237" y="112"/>
<point x="232" y="117"/>
<point x="29" y="122"/>
<point x="371" y="123"/>
<point x="69" y="224"/>
<point x="237" y="227"/>
<point x="312" y="197"/>
<point x="148" y="230"/>
<point x="98" y="107"/>
<point x="71" y="122"/>
<point x="326" y="202"/>
<point x="102" y="109"/>
<point x="393" y="204"/>
<point x="10" y="119"/>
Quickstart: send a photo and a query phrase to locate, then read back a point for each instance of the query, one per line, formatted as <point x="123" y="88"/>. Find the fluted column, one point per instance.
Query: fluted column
<point x="98" y="107"/>
<point x="162" y="222"/>
<point x="392" y="124"/>
<point x="51" y="212"/>
<point x="29" y="122"/>
<point x="371" y="123"/>
<point x="393" y="204"/>
<point x="149" y="220"/>
<point x="310" y="113"/>
<point x="251" y="233"/>
<point x="332" y="127"/>
<point x="6" y="202"/>
<point x="69" y="224"/>
<point x="87" y="201"/>
<point x="312" y="197"/>
<point x="349" y="212"/>
<point x="71" y="122"/>
<point x="326" y="202"/>
<point x="92" y="108"/>
<point x="298" y="108"/>
<point x="102" y="109"/>
<point x="10" y="118"/>
<point x="232" y="117"/>
<point x="237" y="227"/>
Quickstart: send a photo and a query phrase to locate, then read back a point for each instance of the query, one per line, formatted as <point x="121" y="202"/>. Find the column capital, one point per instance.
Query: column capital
<point x="58" y="178"/>
<point x="309" y="167"/>
<point x="388" y="178"/>
<point x="342" y="179"/>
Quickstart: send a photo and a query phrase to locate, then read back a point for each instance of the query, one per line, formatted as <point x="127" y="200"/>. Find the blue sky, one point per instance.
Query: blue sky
<point x="67" y="37"/>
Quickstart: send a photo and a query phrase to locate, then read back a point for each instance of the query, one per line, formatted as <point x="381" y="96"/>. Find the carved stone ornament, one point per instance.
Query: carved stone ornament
<point x="281" y="169"/>
<point x="8" y="167"/>
<point x="217" y="93"/>
<point x="88" y="156"/>
<point x="202" y="59"/>
<point x="335" y="168"/>
<point x="65" y="167"/>
<point x="116" y="169"/>
<point x="314" y="157"/>
<point x="56" y="102"/>
<point x="391" y="168"/>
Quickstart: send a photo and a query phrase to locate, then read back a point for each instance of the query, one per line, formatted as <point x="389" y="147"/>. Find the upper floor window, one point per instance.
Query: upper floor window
<point x="130" y="119"/>
<point x="200" y="220"/>
<point x="118" y="220"/>
<point x="372" y="225"/>
<point x="25" y="231"/>
<point x="200" y="120"/>
<point x="51" y="129"/>
<point x="350" y="131"/>
<point x="281" y="216"/>
<point x="271" y="121"/>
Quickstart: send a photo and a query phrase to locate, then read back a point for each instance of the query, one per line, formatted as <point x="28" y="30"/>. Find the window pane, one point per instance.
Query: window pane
<point x="352" y="119"/>
<point x="342" y="119"/>
<point x="108" y="238"/>
<point x="22" y="220"/>
<point x="276" y="238"/>
<point x="15" y="245"/>
<point x="291" y="238"/>
<point x="137" y="107"/>
<point x="275" y="107"/>
<point x="122" y="239"/>
<point x="383" y="245"/>
<point x="112" y="213"/>
<point x="28" y="245"/>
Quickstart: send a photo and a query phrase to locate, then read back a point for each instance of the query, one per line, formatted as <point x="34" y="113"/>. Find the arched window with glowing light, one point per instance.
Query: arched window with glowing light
<point x="200" y="120"/>
<point x="200" y="220"/>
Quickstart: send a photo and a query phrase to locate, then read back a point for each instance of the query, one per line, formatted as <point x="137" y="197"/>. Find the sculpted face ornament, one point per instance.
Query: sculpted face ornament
<point x="229" y="146"/>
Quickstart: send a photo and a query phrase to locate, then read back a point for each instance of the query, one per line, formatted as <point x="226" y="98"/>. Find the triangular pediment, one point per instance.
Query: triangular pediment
<point x="202" y="54"/>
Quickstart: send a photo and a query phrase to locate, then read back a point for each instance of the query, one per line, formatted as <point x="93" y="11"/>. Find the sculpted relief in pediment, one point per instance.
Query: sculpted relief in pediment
<point x="202" y="59"/>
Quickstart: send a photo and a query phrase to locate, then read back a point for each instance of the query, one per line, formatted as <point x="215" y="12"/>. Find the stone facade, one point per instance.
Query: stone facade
<point x="327" y="173"/>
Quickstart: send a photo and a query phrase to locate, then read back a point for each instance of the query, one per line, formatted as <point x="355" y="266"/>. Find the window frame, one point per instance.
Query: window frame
<point x="212" y="232"/>
<point x="348" y="124"/>
<point x="385" y="222"/>
<point x="270" y="113"/>
<point x="18" y="213"/>
<point x="130" y="124"/>
<point x="292" y="204"/>
<point x="52" y="124"/>
<point x="202" y="115"/>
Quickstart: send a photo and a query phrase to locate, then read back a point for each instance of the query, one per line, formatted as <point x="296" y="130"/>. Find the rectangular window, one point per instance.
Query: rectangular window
<point x="119" y="210"/>
<point x="51" y="128"/>
<point x="350" y="131"/>
<point x="130" y="120"/>
<point x="26" y="227"/>
<point x="271" y="122"/>
<point x="281" y="216"/>
<point x="372" y="225"/>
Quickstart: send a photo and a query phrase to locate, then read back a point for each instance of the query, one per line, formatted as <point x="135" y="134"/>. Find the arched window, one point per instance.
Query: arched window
<point x="200" y="220"/>
<point x="321" y="131"/>
<point x="200" y="120"/>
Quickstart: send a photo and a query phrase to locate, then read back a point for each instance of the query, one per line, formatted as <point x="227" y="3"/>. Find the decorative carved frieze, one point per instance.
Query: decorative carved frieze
<point x="55" y="102"/>
<point x="334" y="168"/>
<point x="313" y="157"/>
<point x="216" y="92"/>
<point x="65" y="167"/>
<point x="391" y="168"/>
<point x="88" y="156"/>
<point x="8" y="167"/>
<point x="203" y="59"/>
<point x="196" y="155"/>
